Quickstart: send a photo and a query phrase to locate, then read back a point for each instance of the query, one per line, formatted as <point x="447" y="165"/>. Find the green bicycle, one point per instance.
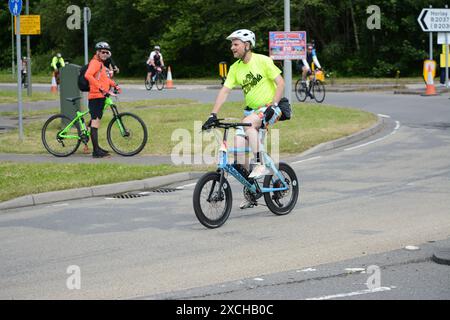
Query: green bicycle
<point x="126" y="132"/>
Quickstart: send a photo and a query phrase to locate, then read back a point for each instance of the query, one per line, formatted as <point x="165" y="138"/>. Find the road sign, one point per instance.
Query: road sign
<point x="15" y="6"/>
<point x="434" y="20"/>
<point x="29" y="25"/>
<point x="287" y="45"/>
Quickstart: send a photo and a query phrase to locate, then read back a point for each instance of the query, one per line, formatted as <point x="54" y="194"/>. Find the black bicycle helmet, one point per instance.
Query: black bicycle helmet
<point x="102" y="46"/>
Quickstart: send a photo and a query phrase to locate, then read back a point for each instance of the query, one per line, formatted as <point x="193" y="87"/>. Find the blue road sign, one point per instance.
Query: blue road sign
<point x="15" y="7"/>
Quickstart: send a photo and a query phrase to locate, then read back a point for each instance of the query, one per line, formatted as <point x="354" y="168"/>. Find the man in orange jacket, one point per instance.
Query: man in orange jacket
<point x="99" y="84"/>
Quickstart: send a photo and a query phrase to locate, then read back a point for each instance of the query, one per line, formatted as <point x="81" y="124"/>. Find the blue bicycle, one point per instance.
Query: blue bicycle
<point x="213" y="198"/>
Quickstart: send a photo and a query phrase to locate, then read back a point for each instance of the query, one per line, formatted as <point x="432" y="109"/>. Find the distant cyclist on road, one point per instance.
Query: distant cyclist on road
<point x="154" y="61"/>
<point x="311" y="57"/>
<point x="57" y="64"/>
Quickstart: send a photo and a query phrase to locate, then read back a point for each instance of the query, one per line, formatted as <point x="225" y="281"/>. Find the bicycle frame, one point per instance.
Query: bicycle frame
<point x="79" y="118"/>
<point x="224" y="166"/>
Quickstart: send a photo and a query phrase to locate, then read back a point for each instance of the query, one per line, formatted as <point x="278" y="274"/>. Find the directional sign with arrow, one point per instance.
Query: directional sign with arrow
<point x="434" y="20"/>
<point x="15" y="6"/>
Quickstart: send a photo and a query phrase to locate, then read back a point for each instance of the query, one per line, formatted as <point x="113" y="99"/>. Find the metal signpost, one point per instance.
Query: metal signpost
<point x="436" y="20"/>
<point x="86" y="20"/>
<point x="287" y="63"/>
<point x="15" y="7"/>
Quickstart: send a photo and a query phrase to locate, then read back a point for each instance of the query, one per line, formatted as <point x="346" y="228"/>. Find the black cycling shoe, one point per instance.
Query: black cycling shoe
<point x="103" y="150"/>
<point x="100" y="154"/>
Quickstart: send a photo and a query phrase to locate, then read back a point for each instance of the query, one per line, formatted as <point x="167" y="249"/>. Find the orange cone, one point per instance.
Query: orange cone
<point x="54" y="88"/>
<point x="169" y="81"/>
<point x="430" y="89"/>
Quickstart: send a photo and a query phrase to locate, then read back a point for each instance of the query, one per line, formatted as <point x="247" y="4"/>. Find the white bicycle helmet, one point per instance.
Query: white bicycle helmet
<point x="243" y="35"/>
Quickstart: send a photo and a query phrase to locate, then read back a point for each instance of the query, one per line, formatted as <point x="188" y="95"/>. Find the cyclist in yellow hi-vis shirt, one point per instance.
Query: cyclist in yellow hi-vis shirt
<point x="263" y="87"/>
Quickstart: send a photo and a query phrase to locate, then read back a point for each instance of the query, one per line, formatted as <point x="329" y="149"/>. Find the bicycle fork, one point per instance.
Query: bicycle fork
<point x="119" y="122"/>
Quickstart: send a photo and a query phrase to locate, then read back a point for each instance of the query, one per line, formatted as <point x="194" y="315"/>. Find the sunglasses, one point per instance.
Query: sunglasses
<point x="104" y="52"/>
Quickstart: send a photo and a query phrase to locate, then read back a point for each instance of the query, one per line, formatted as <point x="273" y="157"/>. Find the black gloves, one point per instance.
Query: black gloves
<point x="268" y="114"/>
<point x="211" y="120"/>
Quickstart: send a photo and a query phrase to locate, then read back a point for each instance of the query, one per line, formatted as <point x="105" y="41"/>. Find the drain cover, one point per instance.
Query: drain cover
<point x="164" y="190"/>
<point x="128" y="196"/>
<point x="143" y="194"/>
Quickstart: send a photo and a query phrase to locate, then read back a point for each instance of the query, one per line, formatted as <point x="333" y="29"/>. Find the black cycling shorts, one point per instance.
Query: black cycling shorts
<point x="151" y="68"/>
<point x="96" y="108"/>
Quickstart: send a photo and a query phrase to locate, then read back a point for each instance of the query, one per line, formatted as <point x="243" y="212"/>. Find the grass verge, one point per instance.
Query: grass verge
<point x="172" y="125"/>
<point x="23" y="179"/>
<point x="10" y="96"/>
<point x="171" y="122"/>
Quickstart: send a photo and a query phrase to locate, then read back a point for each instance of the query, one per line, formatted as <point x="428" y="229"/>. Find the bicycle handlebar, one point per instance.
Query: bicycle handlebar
<point x="227" y="125"/>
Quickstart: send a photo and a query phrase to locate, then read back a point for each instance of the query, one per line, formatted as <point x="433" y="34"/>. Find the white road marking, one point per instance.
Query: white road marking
<point x="187" y="186"/>
<point x="307" y="270"/>
<point x="384" y="116"/>
<point x="310" y="159"/>
<point x="377" y="140"/>
<point x="58" y="205"/>
<point x="355" y="269"/>
<point x="351" y="294"/>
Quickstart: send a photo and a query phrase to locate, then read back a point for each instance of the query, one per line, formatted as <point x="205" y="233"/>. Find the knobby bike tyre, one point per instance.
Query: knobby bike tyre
<point x="319" y="91"/>
<point x="211" y="214"/>
<point x="135" y="137"/>
<point x="55" y="145"/>
<point x="282" y="202"/>
<point x="300" y="91"/>
<point x="159" y="81"/>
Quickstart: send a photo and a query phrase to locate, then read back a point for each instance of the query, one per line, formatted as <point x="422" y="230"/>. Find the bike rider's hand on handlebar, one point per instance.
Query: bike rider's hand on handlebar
<point x="271" y="115"/>
<point x="211" y="120"/>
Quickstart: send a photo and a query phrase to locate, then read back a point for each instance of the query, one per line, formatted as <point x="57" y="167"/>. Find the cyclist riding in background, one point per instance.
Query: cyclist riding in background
<point x="311" y="57"/>
<point x="57" y="62"/>
<point x="155" y="60"/>
<point x="99" y="86"/>
<point x="263" y="86"/>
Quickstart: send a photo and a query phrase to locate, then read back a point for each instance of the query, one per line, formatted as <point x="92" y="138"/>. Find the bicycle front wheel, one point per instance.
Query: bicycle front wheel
<point x="159" y="81"/>
<point x="127" y="134"/>
<point x="211" y="205"/>
<point x="300" y="90"/>
<point x="148" y="84"/>
<point x="282" y="202"/>
<point x="57" y="144"/>
<point x="319" y="91"/>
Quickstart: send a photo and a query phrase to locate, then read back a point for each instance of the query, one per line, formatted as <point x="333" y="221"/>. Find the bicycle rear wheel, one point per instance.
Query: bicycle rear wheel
<point x="159" y="81"/>
<point x="211" y="205"/>
<point x="300" y="90"/>
<point x="282" y="202"/>
<point x="55" y="144"/>
<point x="127" y="134"/>
<point x="319" y="91"/>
